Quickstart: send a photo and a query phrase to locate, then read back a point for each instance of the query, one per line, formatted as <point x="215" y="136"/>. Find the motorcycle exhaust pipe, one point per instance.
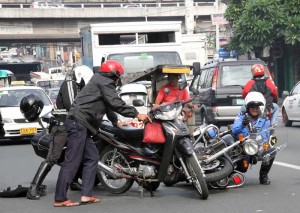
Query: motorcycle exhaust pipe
<point x="111" y="171"/>
<point x="223" y="151"/>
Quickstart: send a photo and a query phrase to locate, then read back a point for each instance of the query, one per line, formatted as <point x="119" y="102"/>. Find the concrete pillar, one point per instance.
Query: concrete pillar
<point x="189" y="16"/>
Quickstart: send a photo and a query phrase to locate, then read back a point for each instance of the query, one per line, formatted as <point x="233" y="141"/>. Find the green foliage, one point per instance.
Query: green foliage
<point x="258" y="23"/>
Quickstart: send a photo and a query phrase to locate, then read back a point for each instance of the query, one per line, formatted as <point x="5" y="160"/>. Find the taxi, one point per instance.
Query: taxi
<point x="15" y="125"/>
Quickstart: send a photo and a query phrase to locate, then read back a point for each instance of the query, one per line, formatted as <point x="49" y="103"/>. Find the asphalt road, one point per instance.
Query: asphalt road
<point x="18" y="164"/>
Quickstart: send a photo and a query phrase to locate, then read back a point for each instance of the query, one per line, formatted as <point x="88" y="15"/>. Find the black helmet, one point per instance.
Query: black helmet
<point x="31" y="106"/>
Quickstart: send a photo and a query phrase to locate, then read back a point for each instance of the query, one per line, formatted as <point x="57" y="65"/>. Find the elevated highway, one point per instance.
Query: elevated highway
<point x="19" y="22"/>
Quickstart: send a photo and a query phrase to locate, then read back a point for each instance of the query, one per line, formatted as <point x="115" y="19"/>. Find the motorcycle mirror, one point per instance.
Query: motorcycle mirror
<point x="166" y="90"/>
<point x="183" y="85"/>
<point x="138" y="102"/>
<point x="196" y="68"/>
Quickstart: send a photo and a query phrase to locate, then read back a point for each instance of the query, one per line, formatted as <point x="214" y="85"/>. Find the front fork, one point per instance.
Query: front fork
<point x="184" y="167"/>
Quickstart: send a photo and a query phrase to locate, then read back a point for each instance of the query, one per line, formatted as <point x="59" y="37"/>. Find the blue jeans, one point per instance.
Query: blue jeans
<point x="274" y="112"/>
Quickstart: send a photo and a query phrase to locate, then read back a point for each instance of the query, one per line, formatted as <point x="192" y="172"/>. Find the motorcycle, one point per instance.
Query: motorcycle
<point x="242" y="152"/>
<point x="126" y="158"/>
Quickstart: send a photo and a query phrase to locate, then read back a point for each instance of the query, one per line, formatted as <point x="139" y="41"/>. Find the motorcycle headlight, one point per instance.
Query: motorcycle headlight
<point x="251" y="147"/>
<point x="168" y="115"/>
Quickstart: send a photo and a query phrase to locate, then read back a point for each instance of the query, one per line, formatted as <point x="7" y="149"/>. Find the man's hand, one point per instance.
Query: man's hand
<point x="245" y="121"/>
<point x="143" y="117"/>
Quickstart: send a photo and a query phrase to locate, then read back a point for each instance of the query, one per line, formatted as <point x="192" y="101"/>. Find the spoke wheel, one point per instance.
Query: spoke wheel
<point x="111" y="156"/>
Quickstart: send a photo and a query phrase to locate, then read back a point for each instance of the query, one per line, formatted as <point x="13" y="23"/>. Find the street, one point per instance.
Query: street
<point x="19" y="163"/>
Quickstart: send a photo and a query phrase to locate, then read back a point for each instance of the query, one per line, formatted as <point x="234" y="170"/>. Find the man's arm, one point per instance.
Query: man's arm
<point x="273" y="88"/>
<point x="247" y="88"/>
<point x="111" y="98"/>
<point x="160" y="96"/>
<point x="111" y="115"/>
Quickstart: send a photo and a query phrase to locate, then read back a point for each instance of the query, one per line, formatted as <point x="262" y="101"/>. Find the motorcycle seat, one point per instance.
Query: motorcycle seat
<point x="129" y="132"/>
<point x="107" y="126"/>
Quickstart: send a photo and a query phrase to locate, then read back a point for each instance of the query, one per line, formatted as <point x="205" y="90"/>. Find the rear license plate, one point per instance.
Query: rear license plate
<point x="28" y="131"/>
<point x="239" y="102"/>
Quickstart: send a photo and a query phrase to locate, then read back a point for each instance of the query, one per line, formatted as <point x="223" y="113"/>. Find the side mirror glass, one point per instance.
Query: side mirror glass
<point x="196" y="68"/>
<point x="138" y="102"/>
<point x="183" y="85"/>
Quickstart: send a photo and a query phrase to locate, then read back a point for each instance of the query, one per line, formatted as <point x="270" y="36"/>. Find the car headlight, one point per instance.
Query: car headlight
<point x="7" y="120"/>
<point x="251" y="147"/>
<point x="169" y="115"/>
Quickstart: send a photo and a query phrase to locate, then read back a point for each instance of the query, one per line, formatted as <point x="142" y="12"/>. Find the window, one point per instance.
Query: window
<point x="235" y="75"/>
<point x="202" y="82"/>
<point x="136" y="38"/>
<point x="296" y="89"/>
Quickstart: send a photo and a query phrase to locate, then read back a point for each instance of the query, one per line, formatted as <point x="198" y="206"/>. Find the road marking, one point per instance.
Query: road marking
<point x="287" y="165"/>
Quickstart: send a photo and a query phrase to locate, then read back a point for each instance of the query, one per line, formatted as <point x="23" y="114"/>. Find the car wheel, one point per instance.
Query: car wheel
<point x="285" y="118"/>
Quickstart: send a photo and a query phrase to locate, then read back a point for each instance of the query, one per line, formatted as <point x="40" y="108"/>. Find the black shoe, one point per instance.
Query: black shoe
<point x="75" y="186"/>
<point x="263" y="179"/>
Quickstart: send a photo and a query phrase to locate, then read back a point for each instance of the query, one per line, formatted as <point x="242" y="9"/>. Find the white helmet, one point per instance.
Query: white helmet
<point x="256" y="99"/>
<point x="84" y="72"/>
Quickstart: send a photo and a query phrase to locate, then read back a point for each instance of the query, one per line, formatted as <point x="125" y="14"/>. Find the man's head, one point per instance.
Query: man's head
<point x="258" y="70"/>
<point x="112" y="69"/>
<point x="81" y="75"/>
<point x="173" y="79"/>
<point x="255" y="103"/>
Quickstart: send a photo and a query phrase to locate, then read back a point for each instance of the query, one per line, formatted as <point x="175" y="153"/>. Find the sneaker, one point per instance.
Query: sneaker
<point x="263" y="179"/>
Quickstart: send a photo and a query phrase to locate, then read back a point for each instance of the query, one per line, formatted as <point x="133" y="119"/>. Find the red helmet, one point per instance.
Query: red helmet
<point x="258" y="70"/>
<point x="111" y="66"/>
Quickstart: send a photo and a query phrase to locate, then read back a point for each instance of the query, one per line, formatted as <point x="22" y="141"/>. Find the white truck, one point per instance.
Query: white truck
<point x="137" y="45"/>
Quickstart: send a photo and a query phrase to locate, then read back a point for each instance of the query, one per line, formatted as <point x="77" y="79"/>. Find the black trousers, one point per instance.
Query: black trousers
<point x="80" y="149"/>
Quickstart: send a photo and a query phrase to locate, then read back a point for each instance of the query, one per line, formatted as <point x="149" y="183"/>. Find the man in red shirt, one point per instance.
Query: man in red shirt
<point x="174" y="94"/>
<point x="264" y="85"/>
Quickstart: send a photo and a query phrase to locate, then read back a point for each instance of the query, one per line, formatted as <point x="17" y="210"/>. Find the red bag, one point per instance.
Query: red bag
<point x="153" y="133"/>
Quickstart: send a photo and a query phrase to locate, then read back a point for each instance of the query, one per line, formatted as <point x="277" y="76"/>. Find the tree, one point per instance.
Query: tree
<point x="258" y="23"/>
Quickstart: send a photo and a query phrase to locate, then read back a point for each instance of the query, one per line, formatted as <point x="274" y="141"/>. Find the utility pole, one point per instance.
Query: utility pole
<point x="217" y="28"/>
<point x="189" y="16"/>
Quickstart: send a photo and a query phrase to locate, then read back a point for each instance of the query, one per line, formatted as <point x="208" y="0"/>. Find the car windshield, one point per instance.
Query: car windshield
<point x="128" y="98"/>
<point x="136" y="62"/>
<point x="235" y="75"/>
<point x="12" y="98"/>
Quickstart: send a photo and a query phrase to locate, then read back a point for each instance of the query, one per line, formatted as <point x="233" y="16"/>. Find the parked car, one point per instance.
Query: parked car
<point x="291" y="106"/>
<point x="15" y="125"/>
<point x="52" y="93"/>
<point x="45" y="4"/>
<point x="220" y="85"/>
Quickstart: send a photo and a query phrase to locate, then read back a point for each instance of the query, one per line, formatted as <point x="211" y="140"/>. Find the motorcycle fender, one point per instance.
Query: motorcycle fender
<point x="228" y="158"/>
<point x="185" y="146"/>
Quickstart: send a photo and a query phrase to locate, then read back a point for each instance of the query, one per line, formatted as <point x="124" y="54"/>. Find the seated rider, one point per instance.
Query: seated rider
<point x="261" y="83"/>
<point x="174" y="94"/>
<point x="255" y="105"/>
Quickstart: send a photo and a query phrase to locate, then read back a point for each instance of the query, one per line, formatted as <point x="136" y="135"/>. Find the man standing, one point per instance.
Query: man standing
<point x="73" y="83"/>
<point x="82" y="122"/>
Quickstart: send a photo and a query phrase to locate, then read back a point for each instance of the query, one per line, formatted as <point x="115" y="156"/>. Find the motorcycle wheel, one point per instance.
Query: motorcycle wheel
<point x="222" y="171"/>
<point x="111" y="156"/>
<point x="197" y="176"/>
<point x="151" y="185"/>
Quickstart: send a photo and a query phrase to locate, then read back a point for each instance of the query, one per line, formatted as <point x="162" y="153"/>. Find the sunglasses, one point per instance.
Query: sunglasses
<point x="253" y="106"/>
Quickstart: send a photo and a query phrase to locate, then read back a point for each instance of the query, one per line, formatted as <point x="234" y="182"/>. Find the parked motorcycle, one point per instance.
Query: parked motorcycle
<point x="126" y="158"/>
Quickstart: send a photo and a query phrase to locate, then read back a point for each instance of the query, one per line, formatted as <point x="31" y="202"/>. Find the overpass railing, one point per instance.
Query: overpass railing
<point x="106" y="5"/>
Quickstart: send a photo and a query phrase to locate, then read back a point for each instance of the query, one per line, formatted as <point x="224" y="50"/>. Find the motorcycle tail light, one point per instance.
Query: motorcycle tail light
<point x="236" y="179"/>
<point x="189" y="115"/>
<point x="246" y="164"/>
<point x="265" y="146"/>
